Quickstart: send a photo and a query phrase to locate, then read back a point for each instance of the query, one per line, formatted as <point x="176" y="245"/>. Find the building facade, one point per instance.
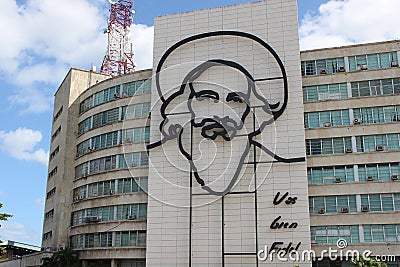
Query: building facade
<point x="149" y="169"/>
<point x="352" y="104"/>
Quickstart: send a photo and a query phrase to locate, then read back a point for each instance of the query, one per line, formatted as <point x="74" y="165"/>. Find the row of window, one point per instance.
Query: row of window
<point x="110" y="213"/>
<point x="109" y="239"/>
<point x="356" y="63"/>
<point x="55" y="152"/>
<point x="58" y="114"/>
<point x="370" y="172"/>
<point x="140" y="110"/>
<point x="371" y="233"/>
<point x="341" y="145"/>
<point x="55" y="134"/>
<point x="53" y="172"/>
<point x="346" y="204"/>
<point x="373" y="61"/>
<point x="357" y="89"/>
<point x="110" y="94"/>
<point x="49" y="214"/>
<point x="106" y="188"/>
<point x="51" y="193"/>
<point x="369" y="115"/>
<point x="135" y="135"/>
<point x="370" y="143"/>
<point x="123" y="161"/>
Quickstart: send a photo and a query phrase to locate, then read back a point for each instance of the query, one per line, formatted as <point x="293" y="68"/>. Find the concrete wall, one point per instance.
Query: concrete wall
<point x="172" y="224"/>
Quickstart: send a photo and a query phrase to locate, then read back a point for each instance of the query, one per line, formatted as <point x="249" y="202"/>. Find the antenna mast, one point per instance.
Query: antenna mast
<point x="119" y="56"/>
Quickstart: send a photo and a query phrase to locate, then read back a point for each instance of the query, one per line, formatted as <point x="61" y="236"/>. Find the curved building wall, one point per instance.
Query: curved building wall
<point x="97" y="186"/>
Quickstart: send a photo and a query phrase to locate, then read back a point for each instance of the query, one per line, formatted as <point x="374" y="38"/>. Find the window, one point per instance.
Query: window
<point x="131" y="263"/>
<point x="136" y="111"/>
<point x="371" y="143"/>
<point x="322" y="66"/>
<point x="331" y="234"/>
<point x="49" y="214"/>
<point x="328" y="175"/>
<point x="132" y="160"/>
<point x="381" y="202"/>
<point x="332" y="204"/>
<point x="382" y="233"/>
<point x="54" y="153"/>
<point x="48" y="235"/>
<point x="136" y="135"/>
<point x="58" y="114"/>
<point x="328" y="146"/>
<point x="378" y="172"/>
<point x="51" y="193"/>
<point x="136" y="88"/>
<point x="375" y="87"/>
<point x="55" y="134"/>
<point x="99" y="98"/>
<point x="133" y="211"/>
<point x="377" y="114"/>
<point x="325" y="92"/>
<point x="97" y="142"/>
<point x="53" y="172"/>
<point x="103" y="165"/>
<point x="92" y="240"/>
<point x="326" y="119"/>
<point x="98" y="120"/>
<point x="373" y="61"/>
<point x="130" y="239"/>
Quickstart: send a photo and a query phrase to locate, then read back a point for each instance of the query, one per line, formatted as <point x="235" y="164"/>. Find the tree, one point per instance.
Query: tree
<point x="3" y="217"/>
<point x="66" y="257"/>
<point x="367" y="262"/>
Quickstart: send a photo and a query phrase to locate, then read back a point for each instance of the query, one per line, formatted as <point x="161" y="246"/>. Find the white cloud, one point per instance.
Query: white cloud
<point x="20" y="144"/>
<point x="47" y="37"/>
<point x="342" y="22"/>
<point x="142" y="36"/>
<point x="19" y="232"/>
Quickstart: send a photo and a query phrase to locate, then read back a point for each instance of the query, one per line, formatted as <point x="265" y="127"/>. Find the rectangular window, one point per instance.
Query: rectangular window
<point x="54" y="153"/>
<point x="328" y="146"/>
<point x="58" y="114"/>
<point x="327" y="119"/>
<point x="322" y="66"/>
<point x="373" y="61"/>
<point x="55" y="134"/>
<point x="325" y="92"/>
<point x="136" y="88"/>
<point x="331" y="234"/>
<point x="327" y="175"/>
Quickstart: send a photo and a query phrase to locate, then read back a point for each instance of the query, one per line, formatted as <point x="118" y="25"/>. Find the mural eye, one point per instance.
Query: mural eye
<point x="235" y="97"/>
<point x="200" y="96"/>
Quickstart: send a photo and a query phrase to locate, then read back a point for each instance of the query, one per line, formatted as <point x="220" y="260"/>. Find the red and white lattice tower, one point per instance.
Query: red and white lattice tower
<point x="119" y="57"/>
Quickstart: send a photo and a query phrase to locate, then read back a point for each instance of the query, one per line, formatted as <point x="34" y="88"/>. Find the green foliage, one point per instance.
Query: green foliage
<point x="67" y="257"/>
<point x="3" y="217"/>
<point x="367" y="262"/>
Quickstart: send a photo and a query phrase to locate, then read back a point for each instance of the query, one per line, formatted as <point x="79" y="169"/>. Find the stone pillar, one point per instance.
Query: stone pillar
<point x="114" y="263"/>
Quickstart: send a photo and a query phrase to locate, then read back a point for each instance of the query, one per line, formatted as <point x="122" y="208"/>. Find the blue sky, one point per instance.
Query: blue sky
<point x="42" y="39"/>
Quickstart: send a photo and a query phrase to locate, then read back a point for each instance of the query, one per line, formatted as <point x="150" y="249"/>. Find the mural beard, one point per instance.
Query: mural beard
<point x="218" y="155"/>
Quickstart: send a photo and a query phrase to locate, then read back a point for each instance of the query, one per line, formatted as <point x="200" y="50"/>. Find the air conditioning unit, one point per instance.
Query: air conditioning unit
<point x="314" y="242"/>
<point x="342" y="69"/>
<point x="94" y="194"/>
<point x="370" y="178"/>
<point x="91" y="219"/>
<point x="338" y="180"/>
<point x="61" y="248"/>
<point x="321" y="211"/>
<point x="76" y="198"/>
<point x="327" y="124"/>
<point x="91" y="149"/>
<point x="364" y="208"/>
<point x="363" y="67"/>
<point x="349" y="150"/>
<point x="395" y="177"/>
<point x="323" y="71"/>
<point x="132" y="217"/>
<point x="81" y="197"/>
<point x="344" y="210"/>
<point x="116" y="96"/>
<point x="394" y="64"/>
<point x="379" y="148"/>
<point x="396" y="117"/>
<point x="357" y="121"/>
<point x="128" y="140"/>
<point x="112" y="191"/>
